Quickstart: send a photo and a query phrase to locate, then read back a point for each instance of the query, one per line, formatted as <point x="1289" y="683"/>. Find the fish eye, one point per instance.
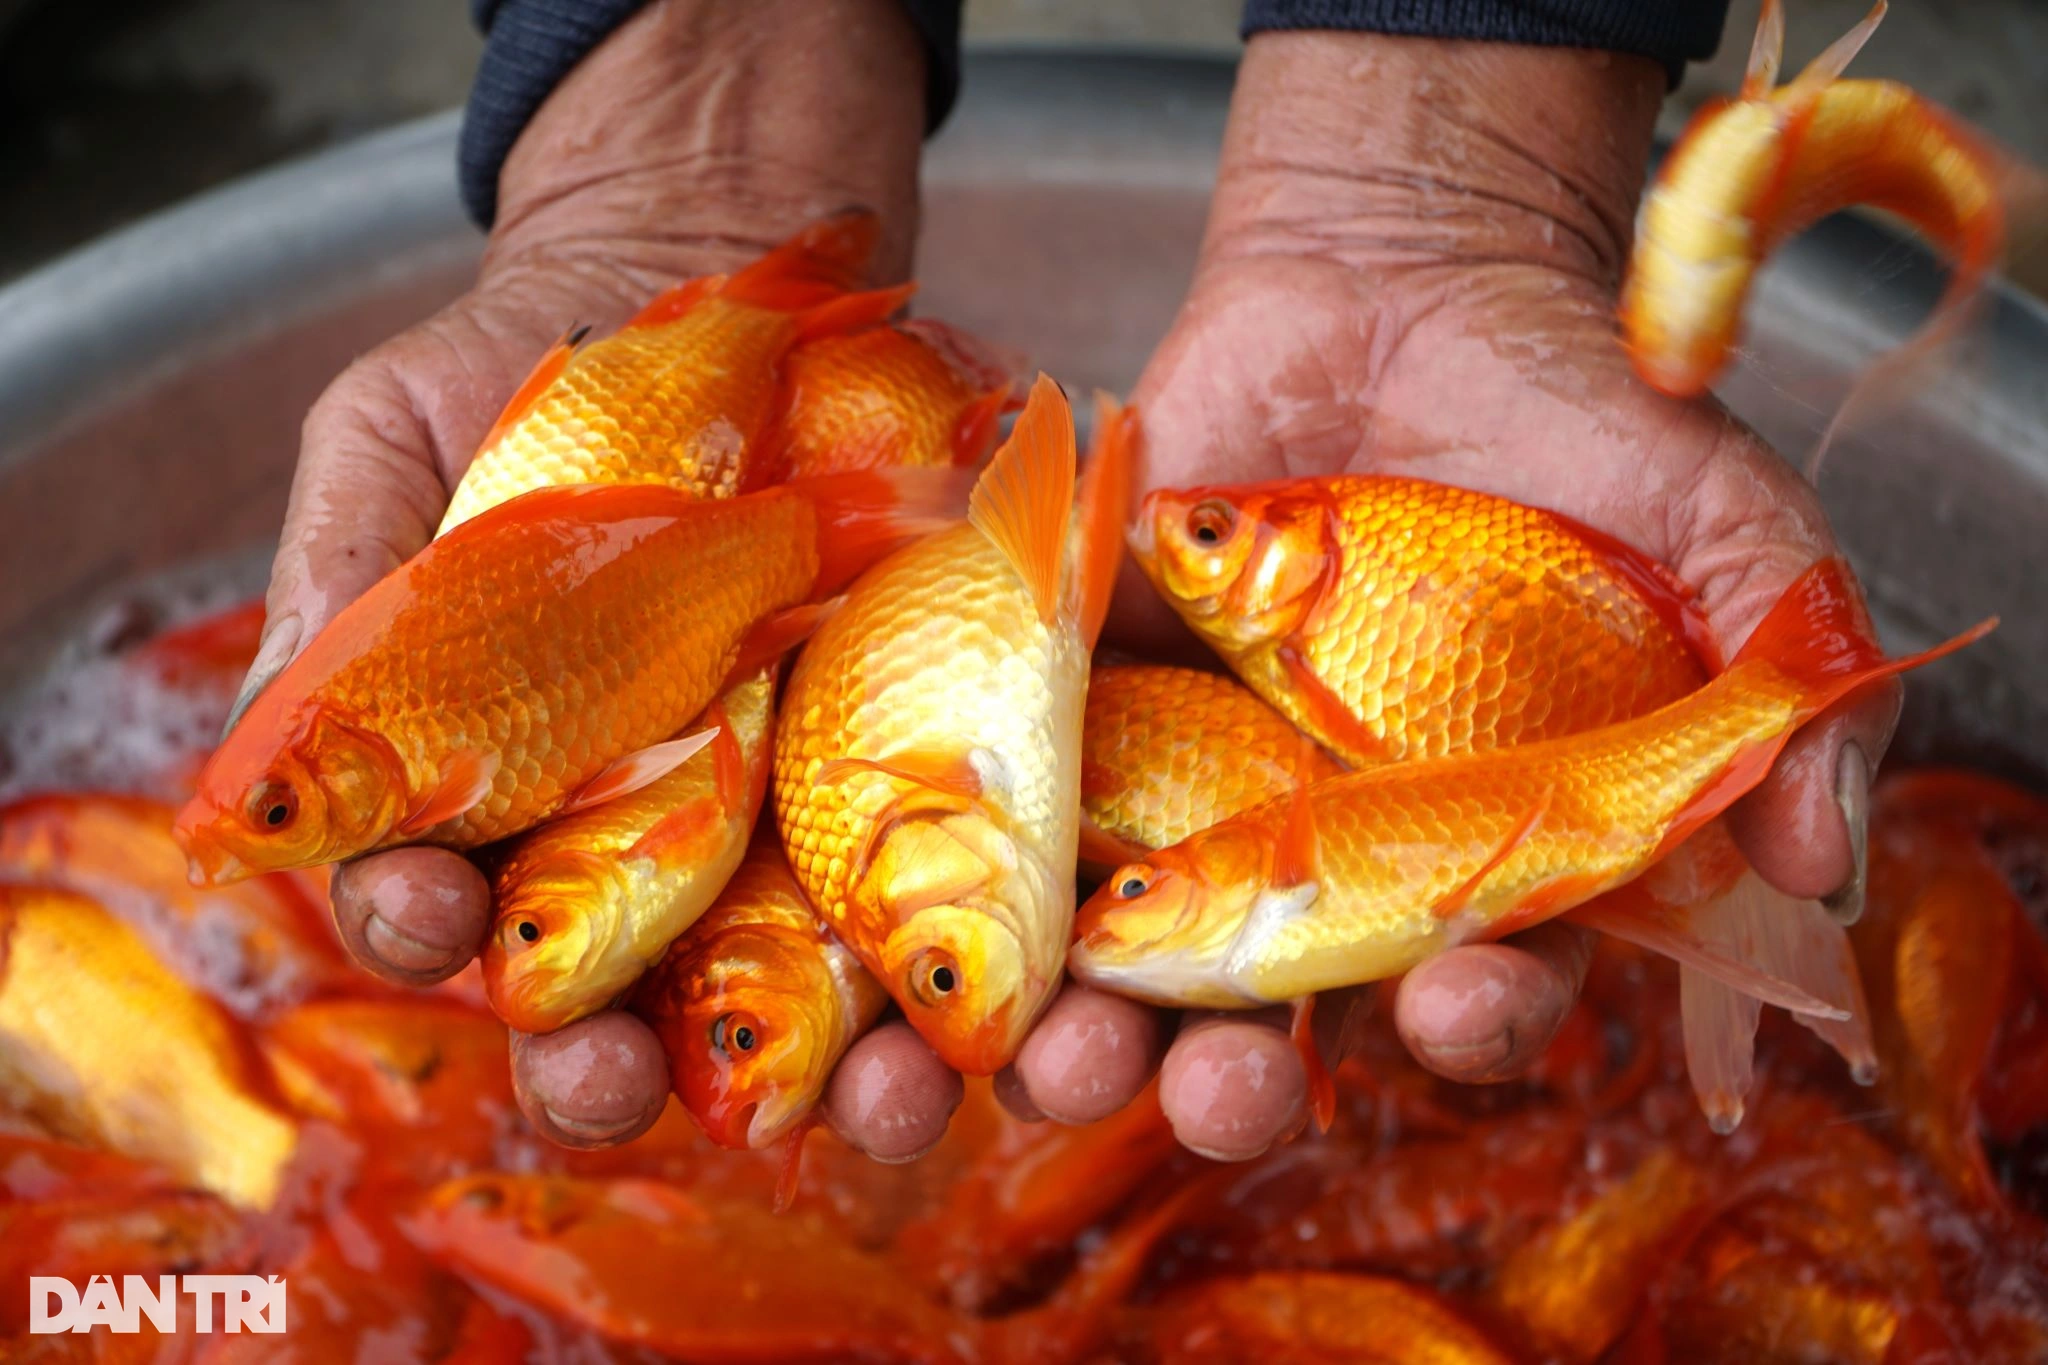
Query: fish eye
<point x="730" y="1034"/>
<point x="934" y="976"/>
<point x="529" y="931"/>
<point x="1133" y="882"/>
<point x="274" y="803"/>
<point x="1211" y="523"/>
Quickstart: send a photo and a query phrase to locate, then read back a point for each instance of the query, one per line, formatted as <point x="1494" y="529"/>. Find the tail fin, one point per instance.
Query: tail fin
<point x="1105" y="507"/>
<point x="864" y="514"/>
<point x="1976" y="243"/>
<point x="1819" y="637"/>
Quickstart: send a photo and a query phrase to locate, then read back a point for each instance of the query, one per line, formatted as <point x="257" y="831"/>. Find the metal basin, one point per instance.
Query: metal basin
<point x="151" y="385"/>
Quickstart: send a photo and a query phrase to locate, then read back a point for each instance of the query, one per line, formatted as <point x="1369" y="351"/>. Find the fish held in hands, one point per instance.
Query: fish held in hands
<point x="1360" y="877"/>
<point x="685" y="393"/>
<point x="755" y="1005"/>
<point x="914" y="393"/>
<point x="1169" y="751"/>
<point x="1394" y="618"/>
<point x="588" y="902"/>
<point x="928" y="764"/>
<point x="1755" y="170"/>
<point x="533" y="662"/>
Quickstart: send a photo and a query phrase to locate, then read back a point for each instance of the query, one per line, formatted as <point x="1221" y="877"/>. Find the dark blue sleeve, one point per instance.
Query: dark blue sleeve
<point x="530" y="45"/>
<point x="1673" y="32"/>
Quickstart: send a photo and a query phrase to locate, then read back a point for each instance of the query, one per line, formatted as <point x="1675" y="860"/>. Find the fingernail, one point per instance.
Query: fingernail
<point x="280" y="641"/>
<point x="1852" y="795"/>
<point x="401" y="950"/>
<point x="592" y="1131"/>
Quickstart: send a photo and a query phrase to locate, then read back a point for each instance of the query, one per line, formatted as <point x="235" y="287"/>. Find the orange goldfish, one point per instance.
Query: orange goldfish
<point x="529" y="664"/>
<point x="1169" y="751"/>
<point x="423" y="1078"/>
<point x="1317" y="1316"/>
<point x="588" y="902"/>
<point x="683" y="393"/>
<point x="689" y="1273"/>
<point x="755" y="1005"/>
<point x="1393" y="618"/>
<point x="100" y="1044"/>
<point x="1359" y="877"/>
<point x="919" y="393"/>
<point x="928" y="767"/>
<point x="1753" y="171"/>
<point x="256" y="947"/>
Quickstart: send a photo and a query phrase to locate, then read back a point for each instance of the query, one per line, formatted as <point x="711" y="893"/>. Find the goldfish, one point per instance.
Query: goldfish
<point x="1570" y="1291"/>
<point x="1169" y="751"/>
<point x="102" y="1045"/>
<point x="1359" y="877"/>
<point x="918" y="393"/>
<point x="1755" y="170"/>
<point x="1393" y="618"/>
<point x="257" y="947"/>
<point x="1317" y="1316"/>
<point x="755" y="1005"/>
<point x="426" y="1078"/>
<point x="688" y="1273"/>
<point x="531" y="663"/>
<point x="1937" y="951"/>
<point x="586" y="903"/>
<point x="928" y="764"/>
<point x="682" y="394"/>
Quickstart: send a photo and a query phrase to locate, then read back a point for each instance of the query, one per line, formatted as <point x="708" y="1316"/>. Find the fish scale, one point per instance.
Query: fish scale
<point x="1168" y="751"/>
<point x="938" y="641"/>
<point x="1394" y="843"/>
<point x="480" y="649"/>
<point x="677" y="404"/>
<point x="1451" y="620"/>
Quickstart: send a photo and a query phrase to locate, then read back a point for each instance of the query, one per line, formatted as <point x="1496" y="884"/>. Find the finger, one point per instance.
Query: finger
<point x="1806" y="828"/>
<point x="1233" y="1086"/>
<point x="1015" y="1099"/>
<point x="413" y="916"/>
<point x="594" y="1083"/>
<point x="891" y="1096"/>
<point x="1089" y="1055"/>
<point x="1486" y="1012"/>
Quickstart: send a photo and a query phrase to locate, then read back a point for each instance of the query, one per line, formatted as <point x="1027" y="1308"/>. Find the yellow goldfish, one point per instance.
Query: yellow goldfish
<point x="102" y="1045"/>
<point x="586" y="903"/>
<point x="928" y="766"/>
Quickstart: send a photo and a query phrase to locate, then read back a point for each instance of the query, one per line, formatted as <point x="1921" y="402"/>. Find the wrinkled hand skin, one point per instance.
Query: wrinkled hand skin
<point x="1410" y="265"/>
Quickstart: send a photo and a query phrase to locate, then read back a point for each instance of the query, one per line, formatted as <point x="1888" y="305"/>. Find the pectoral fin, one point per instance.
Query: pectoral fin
<point x="1322" y="1090"/>
<point x="1332" y="721"/>
<point x="1461" y="896"/>
<point x="634" y="771"/>
<point x="1100" y="847"/>
<point x="465" y="781"/>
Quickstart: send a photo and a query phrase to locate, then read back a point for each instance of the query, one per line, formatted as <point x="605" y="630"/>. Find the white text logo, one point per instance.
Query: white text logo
<point x="248" y="1303"/>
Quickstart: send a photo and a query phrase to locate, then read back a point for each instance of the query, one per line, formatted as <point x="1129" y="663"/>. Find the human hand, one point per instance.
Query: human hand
<point x="1411" y="264"/>
<point x="696" y="137"/>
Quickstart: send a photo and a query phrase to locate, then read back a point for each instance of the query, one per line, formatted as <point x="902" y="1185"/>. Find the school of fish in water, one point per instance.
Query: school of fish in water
<point x="769" y="714"/>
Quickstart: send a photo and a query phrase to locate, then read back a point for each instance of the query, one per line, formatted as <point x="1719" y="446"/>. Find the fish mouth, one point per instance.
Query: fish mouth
<point x="215" y="867"/>
<point x="772" y="1119"/>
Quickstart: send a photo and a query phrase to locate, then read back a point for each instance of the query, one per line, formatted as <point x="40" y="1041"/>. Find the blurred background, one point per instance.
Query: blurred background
<point x="113" y="108"/>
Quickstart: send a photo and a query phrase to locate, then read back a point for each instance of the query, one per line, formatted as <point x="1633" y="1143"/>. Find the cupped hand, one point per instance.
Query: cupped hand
<point x="1411" y="265"/>
<point x="696" y="137"/>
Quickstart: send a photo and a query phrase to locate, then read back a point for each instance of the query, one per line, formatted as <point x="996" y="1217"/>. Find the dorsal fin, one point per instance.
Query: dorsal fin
<point x="674" y="301"/>
<point x="1823" y="70"/>
<point x="535" y="384"/>
<point x="1103" y="507"/>
<point x="1766" y="51"/>
<point x="1023" y="500"/>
